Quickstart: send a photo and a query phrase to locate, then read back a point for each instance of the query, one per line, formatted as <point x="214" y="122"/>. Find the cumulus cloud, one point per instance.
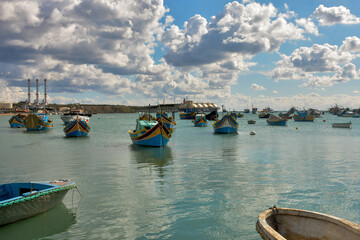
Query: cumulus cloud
<point x="257" y="87"/>
<point x="328" y="16"/>
<point x="322" y="65"/>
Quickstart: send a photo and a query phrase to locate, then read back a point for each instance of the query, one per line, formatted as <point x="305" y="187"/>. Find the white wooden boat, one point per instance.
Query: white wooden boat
<point x="286" y="223"/>
<point x="342" y="125"/>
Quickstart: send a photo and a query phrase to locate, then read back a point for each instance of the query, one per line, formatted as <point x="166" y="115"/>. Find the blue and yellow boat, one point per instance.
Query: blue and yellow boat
<point x="77" y="128"/>
<point x="200" y="121"/>
<point x="303" y="116"/>
<point x="23" y="200"/>
<point x="187" y="115"/>
<point x="150" y="133"/>
<point x="169" y="122"/>
<point x="17" y="121"/>
<point x="38" y="122"/>
<point x="227" y="124"/>
<point x="276" y="121"/>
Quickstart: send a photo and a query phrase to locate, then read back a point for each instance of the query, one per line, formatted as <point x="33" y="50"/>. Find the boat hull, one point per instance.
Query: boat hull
<point x="77" y="128"/>
<point x="158" y="136"/>
<point x="16" y="122"/>
<point x="26" y="206"/>
<point x="279" y="123"/>
<point x="341" y="125"/>
<point x="286" y="223"/>
<point x="226" y="124"/>
<point x="185" y="115"/>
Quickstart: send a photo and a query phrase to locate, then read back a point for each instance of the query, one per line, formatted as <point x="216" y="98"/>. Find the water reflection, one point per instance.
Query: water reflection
<point x="54" y="221"/>
<point x="159" y="157"/>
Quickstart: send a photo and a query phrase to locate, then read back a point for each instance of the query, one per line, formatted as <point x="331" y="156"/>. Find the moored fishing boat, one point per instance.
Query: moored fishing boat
<point x="276" y="121"/>
<point x="150" y="133"/>
<point x="23" y="200"/>
<point x="38" y="122"/>
<point x="17" y="121"/>
<point x="145" y="116"/>
<point x="227" y="124"/>
<point x="77" y="128"/>
<point x="286" y="223"/>
<point x="303" y="116"/>
<point x="341" y="125"/>
<point x="264" y="115"/>
<point x="72" y="114"/>
<point x="187" y="115"/>
<point x="251" y="122"/>
<point x="200" y="121"/>
<point x="240" y="115"/>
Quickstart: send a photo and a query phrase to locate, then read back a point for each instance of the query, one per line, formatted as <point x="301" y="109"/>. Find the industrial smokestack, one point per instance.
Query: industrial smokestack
<point x="28" y="94"/>
<point x="45" y="93"/>
<point x="37" y="93"/>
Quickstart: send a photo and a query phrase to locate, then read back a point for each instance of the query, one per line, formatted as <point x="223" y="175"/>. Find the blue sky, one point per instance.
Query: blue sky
<point x="233" y="53"/>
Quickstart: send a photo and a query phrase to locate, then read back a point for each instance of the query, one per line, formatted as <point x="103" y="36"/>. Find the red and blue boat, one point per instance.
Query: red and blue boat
<point x="77" y="128"/>
<point x="227" y="124"/>
<point x="17" y="121"/>
<point x="150" y="133"/>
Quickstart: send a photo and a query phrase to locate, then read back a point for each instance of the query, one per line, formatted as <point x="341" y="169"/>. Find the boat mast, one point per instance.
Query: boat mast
<point x="28" y="103"/>
<point x="45" y="94"/>
<point x="37" y="93"/>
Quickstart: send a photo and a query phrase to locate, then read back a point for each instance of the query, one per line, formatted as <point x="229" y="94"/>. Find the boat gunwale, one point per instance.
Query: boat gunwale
<point x="265" y="229"/>
<point x="54" y="187"/>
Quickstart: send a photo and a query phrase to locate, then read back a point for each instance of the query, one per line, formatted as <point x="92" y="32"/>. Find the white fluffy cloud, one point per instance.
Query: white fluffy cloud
<point x="328" y="16"/>
<point x="322" y="65"/>
<point x="257" y="87"/>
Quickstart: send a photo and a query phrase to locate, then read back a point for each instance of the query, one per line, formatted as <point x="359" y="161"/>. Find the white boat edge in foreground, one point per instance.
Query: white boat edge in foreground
<point x="308" y="224"/>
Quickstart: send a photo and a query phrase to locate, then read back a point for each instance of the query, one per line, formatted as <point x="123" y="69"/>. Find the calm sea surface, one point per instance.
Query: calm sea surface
<point x="201" y="186"/>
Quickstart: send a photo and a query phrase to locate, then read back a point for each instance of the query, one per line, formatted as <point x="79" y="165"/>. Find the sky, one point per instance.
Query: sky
<point x="239" y="54"/>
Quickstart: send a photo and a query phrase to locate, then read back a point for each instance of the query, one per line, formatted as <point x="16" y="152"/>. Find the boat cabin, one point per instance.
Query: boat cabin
<point x="144" y="124"/>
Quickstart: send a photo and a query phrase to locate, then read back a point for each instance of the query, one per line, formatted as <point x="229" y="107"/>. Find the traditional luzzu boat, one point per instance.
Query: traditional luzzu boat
<point x="77" y="128"/>
<point x="187" y="115"/>
<point x="150" y="133"/>
<point x="200" y="121"/>
<point x="17" y="121"/>
<point x="38" y="122"/>
<point x="23" y="200"/>
<point x="303" y="116"/>
<point x="341" y="125"/>
<point x="227" y="124"/>
<point x="275" y="120"/>
<point x="286" y="223"/>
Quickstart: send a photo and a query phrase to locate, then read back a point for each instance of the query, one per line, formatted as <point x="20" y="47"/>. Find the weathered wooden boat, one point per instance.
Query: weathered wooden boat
<point x="276" y="121"/>
<point x="23" y="200"/>
<point x="150" y="133"/>
<point x="303" y="116"/>
<point x="227" y="124"/>
<point x="38" y="122"/>
<point x="17" y="121"/>
<point x="251" y="122"/>
<point x="77" y="128"/>
<point x="341" y="125"/>
<point x="71" y="115"/>
<point x="200" y="121"/>
<point x="292" y="224"/>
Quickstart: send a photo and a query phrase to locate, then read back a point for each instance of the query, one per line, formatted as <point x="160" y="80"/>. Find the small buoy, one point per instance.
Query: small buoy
<point x="252" y="133"/>
<point x="324" y="120"/>
<point x="297" y="128"/>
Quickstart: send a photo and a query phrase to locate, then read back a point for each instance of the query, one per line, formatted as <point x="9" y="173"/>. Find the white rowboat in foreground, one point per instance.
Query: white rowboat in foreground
<point x="295" y="224"/>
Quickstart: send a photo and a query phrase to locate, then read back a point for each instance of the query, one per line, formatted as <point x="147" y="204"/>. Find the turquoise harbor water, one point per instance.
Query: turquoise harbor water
<point x="201" y="186"/>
